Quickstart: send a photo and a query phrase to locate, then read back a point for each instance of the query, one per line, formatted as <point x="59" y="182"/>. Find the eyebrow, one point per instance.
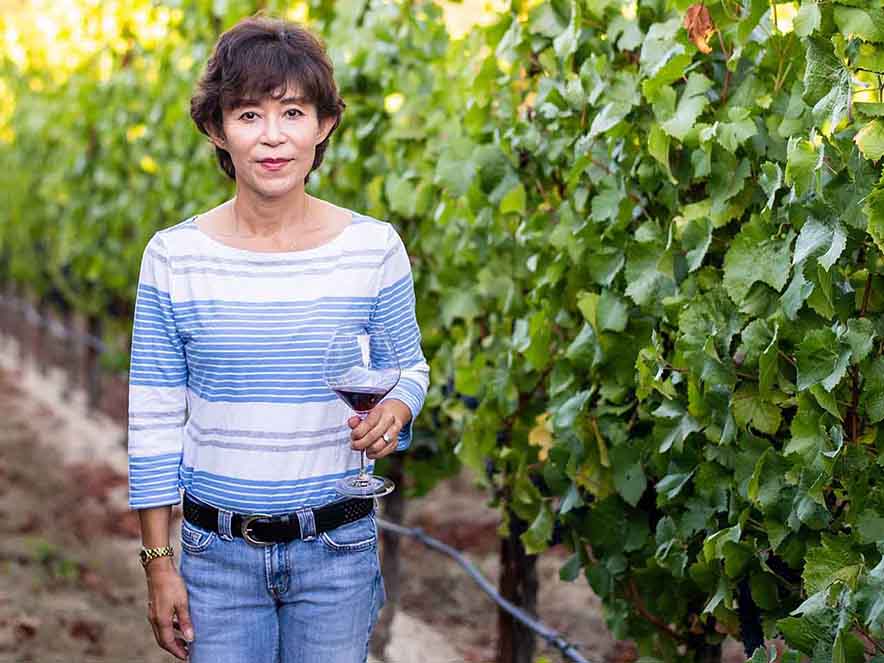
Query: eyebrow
<point x="299" y="100"/>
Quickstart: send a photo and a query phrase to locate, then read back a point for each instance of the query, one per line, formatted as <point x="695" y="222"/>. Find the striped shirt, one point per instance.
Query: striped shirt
<point x="226" y="394"/>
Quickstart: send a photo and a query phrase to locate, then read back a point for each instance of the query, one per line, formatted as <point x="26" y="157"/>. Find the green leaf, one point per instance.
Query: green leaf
<point x="808" y="432"/>
<point x="674" y="435"/>
<point x="663" y="58"/>
<point x="690" y="106"/>
<point x="814" y="235"/>
<point x="826" y="83"/>
<point x="860" y="336"/>
<point x="768" y="367"/>
<point x="802" y="161"/>
<point x="514" y="200"/>
<point x="585" y="348"/>
<point x="751" y="409"/>
<point x="455" y="168"/>
<point x="459" y="304"/>
<point x="870" y="140"/>
<point x="803" y="633"/>
<point x="629" y="477"/>
<point x="645" y="281"/>
<point x="822" y="359"/>
<point x="537" y="538"/>
<point x="572" y="499"/>
<point x="870" y="526"/>
<point x="565" y="416"/>
<point x="797" y="293"/>
<point x="695" y="240"/>
<point x="609" y="116"/>
<point x="604" y="264"/>
<point x="763" y="587"/>
<point x="756" y="255"/>
<point x="826" y="400"/>
<point x="570" y="570"/>
<point x="874" y="210"/>
<point x="606" y="204"/>
<point x="836" y="248"/>
<point x="671" y="484"/>
<point x="833" y="560"/>
<point x="867" y="24"/>
<point x="565" y="44"/>
<point x="755" y="338"/>
<point x="771" y="181"/>
<point x="733" y="134"/>
<point x="613" y="312"/>
<point x="808" y="19"/>
<point x="872" y="396"/>
<point x="658" y="147"/>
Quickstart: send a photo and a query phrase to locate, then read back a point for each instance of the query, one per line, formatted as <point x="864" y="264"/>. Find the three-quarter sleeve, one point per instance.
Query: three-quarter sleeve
<point x="157" y="387"/>
<point x="395" y="310"/>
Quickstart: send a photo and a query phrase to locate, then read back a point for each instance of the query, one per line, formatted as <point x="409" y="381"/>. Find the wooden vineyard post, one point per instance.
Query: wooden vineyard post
<point x="21" y="326"/>
<point x="394" y="511"/>
<point x="72" y="356"/>
<point x="518" y="584"/>
<point x="91" y="363"/>
<point x="709" y="654"/>
<point x="41" y="336"/>
<point x="7" y="315"/>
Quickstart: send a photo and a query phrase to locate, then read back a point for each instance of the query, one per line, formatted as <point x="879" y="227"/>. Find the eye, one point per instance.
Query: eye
<point x="293" y="111"/>
<point x="247" y="113"/>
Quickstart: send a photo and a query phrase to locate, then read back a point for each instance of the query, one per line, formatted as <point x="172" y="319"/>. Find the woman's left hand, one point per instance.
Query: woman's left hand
<point x="386" y="418"/>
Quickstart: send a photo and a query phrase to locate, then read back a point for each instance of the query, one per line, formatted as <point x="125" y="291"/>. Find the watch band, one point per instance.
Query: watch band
<point x="149" y="554"/>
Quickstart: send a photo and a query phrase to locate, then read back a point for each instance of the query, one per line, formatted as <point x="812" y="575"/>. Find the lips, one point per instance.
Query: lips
<point x="273" y="165"/>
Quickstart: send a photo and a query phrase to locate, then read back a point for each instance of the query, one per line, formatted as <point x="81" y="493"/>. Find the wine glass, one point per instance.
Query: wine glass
<point x="361" y="367"/>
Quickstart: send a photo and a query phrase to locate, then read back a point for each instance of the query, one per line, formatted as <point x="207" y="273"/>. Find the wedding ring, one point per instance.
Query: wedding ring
<point x="387" y="438"/>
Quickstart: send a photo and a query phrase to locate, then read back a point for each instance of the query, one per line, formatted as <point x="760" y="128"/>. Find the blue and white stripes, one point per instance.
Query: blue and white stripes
<point x="226" y="394"/>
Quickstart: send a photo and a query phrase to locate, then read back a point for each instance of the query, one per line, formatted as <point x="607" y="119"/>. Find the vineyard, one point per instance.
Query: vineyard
<point x="648" y="247"/>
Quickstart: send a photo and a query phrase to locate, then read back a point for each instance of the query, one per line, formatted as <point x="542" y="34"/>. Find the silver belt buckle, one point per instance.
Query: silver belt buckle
<point x="246" y="534"/>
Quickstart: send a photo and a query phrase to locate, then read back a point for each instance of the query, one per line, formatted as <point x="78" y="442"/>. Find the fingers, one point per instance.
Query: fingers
<point x="184" y="622"/>
<point x="168" y="641"/>
<point x="163" y="623"/>
<point x="369" y="435"/>
<point x="365" y="425"/>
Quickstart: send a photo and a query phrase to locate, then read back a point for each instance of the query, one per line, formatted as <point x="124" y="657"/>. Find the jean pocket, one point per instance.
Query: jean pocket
<point x="352" y="537"/>
<point x="196" y="540"/>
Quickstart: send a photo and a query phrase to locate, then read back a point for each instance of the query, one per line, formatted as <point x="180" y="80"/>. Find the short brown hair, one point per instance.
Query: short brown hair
<point x="255" y="58"/>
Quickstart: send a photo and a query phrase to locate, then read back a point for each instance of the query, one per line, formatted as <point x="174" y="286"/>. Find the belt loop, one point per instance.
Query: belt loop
<point x="307" y="523"/>
<point x="224" y="521"/>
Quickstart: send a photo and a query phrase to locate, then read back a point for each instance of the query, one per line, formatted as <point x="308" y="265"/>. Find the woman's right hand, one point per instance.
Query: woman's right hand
<point x="167" y="607"/>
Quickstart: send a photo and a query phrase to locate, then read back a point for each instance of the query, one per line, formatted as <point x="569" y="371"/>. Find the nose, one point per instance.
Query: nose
<point x="272" y="135"/>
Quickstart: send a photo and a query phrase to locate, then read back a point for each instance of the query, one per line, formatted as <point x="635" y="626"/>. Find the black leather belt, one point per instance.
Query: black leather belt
<point x="264" y="530"/>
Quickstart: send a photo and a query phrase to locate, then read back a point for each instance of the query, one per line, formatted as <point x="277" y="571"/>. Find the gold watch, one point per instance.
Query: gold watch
<point x="149" y="554"/>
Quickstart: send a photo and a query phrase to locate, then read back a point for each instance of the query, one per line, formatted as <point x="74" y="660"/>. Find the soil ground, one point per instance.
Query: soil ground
<point x="71" y="588"/>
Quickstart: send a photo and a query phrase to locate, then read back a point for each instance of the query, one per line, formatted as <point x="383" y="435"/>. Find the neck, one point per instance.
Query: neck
<point x="266" y="217"/>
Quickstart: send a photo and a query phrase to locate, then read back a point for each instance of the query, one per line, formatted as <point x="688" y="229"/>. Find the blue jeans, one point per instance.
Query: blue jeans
<point x="311" y="600"/>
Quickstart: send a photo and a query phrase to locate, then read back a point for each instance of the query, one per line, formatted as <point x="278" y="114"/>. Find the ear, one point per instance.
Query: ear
<point x="217" y="138"/>
<point x="324" y="129"/>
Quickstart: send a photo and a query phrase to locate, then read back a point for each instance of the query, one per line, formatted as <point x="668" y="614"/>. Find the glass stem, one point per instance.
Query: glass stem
<point x="362" y="416"/>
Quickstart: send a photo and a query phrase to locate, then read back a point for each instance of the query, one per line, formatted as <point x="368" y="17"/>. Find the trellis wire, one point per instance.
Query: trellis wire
<point x="552" y="636"/>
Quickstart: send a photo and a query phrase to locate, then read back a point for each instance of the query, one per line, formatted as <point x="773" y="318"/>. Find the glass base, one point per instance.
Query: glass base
<point x="365" y="485"/>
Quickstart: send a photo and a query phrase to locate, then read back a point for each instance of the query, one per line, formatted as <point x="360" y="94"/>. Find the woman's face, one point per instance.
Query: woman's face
<point x="272" y="142"/>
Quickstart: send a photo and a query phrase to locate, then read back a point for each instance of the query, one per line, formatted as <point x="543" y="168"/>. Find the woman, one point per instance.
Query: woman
<point x="226" y="399"/>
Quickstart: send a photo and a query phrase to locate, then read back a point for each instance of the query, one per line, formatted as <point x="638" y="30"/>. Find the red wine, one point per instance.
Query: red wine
<point x="361" y="399"/>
